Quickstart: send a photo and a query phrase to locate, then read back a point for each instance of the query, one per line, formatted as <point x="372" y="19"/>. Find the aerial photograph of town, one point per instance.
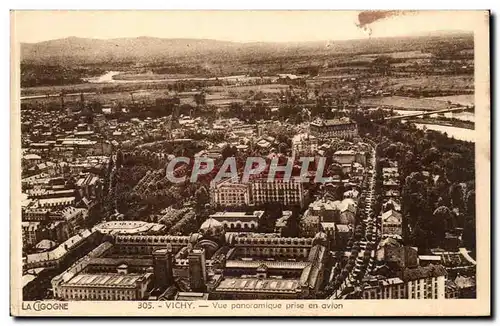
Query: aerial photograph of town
<point x="184" y="169"/>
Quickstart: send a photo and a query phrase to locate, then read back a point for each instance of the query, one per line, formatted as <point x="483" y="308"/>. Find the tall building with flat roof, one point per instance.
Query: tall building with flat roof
<point x="163" y="267"/>
<point x="197" y="270"/>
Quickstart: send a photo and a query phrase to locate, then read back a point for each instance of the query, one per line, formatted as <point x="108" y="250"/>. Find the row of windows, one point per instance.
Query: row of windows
<point x="153" y="239"/>
<point x="276" y="252"/>
<point x="395" y="294"/>
<point x="418" y="295"/>
<point x="99" y="297"/>
<point x="264" y="194"/>
<point x="230" y="199"/>
<point x="386" y="295"/>
<point x="387" y="225"/>
<point x="423" y="282"/>
<point x="59" y="204"/>
<point x="258" y="250"/>
<point x="230" y="202"/>
<point x="231" y="192"/>
<point x="239" y="226"/>
<point x="275" y="241"/>
<point x="231" y="195"/>
<point x="270" y="187"/>
<point x="96" y="291"/>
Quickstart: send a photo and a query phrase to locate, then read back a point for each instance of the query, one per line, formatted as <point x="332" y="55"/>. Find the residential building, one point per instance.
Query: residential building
<point x="425" y="282"/>
<point x="32" y="233"/>
<point x="89" y="186"/>
<point x="451" y="290"/>
<point x="345" y="157"/>
<point x="59" y="202"/>
<point x="75" y="217"/>
<point x="392" y="223"/>
<point x="466" y="286"/>
<point x="304" y="145"/>
<point x="383" y="288"/>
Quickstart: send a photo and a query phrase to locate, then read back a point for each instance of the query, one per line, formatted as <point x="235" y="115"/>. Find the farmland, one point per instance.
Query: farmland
<point x="400" y="102"/>
<point x="465" y="99"/>
<point x="443" y="82"/>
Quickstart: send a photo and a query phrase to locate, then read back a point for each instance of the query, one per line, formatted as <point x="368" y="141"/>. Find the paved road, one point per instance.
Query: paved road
<point x="370" y="223"/>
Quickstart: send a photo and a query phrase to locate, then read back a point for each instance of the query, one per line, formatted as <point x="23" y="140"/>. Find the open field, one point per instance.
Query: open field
<point x="425" y="104"/>
<point x="92" y="87"/>
<point x="399" y="55"/>
<point x="225" y="101"/>
<point x="150" y="76"/>
<point x="443" y="82"/>
<point x="465" y="99"/>
<point x="267" y="88"/>
<point x="104" y="98"/>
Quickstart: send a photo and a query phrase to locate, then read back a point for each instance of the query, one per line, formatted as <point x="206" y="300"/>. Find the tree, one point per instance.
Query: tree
<point x="470" y="203"/>
<point x="382" y="65"/>
<point x="119" y="159"/>
<point x="443" y="220"/>
<point x="228" y="151"/>
<point x="457" y="196"/>
<point x="358" y="232"/>
<point x="420" y="238"/>
<point x="201" y="197"/>
<point x="199" y="99"/>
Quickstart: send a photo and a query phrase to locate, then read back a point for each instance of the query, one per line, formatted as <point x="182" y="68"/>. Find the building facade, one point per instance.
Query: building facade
<point x="239" y="221"/>
<point x="197" y="270"/>
<point x="230" y="193"/>
<point x="258" y="191"/>
<point x="32" y="233"/>
<point x="286" y="192"/>
<point x="392" y="223"/>
<point x="340" y="128"/>
<point x="390" y="288"/>
<point x="304" y="145"/>
<point x="425" y="282"/>
<point x="105" y="286"/>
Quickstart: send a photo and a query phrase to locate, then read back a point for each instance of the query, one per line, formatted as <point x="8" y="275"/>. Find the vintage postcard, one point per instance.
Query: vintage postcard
<point x="250" y="163"/>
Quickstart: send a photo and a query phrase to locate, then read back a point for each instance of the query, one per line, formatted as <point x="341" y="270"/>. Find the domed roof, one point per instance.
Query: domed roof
<point x="262" y="268"/>
<point x="211" y="228"/>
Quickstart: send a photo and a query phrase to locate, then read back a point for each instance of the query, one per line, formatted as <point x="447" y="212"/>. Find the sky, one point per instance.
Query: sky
<point x="238" y="26"/>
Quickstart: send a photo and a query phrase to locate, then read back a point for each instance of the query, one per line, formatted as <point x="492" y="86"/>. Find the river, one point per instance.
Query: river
<point x="455" y="132"/>
<point x="108" y="78"/>
<point x="464" y="116"/>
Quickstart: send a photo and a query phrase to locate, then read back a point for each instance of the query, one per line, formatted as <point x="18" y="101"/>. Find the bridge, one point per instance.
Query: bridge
<point x="427" y="113"/>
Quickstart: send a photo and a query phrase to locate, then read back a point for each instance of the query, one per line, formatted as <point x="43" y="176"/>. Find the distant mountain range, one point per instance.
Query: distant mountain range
<point x="86" y="50"/>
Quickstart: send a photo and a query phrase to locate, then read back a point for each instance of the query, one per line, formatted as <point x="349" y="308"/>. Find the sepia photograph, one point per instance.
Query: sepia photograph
<point x="247" y="163"/>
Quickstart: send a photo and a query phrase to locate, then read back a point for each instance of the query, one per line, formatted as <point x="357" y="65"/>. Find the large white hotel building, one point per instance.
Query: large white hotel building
<point x="256" y="191"/>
